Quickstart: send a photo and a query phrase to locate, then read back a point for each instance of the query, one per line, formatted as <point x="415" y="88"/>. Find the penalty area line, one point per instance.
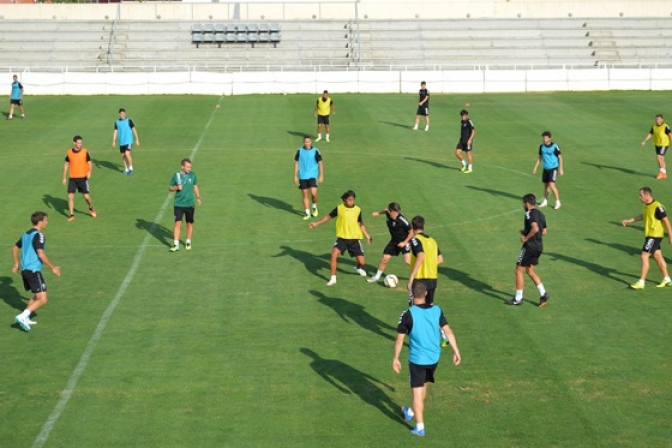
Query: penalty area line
<point x="48" y="426"/>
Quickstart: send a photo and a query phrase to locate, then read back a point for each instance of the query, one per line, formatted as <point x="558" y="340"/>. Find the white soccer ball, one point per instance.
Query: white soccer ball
<point x="391" y="281"/>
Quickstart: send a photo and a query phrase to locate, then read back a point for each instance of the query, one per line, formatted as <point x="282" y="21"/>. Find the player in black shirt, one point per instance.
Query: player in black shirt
<point x="533" y="246"/>
<point x="423" y="107"/>
<point x="467" y="132"/>
<point x="400" y="232"/>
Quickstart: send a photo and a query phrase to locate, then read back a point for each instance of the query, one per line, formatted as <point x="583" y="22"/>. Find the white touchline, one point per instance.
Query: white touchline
<point x="42" y="437"/>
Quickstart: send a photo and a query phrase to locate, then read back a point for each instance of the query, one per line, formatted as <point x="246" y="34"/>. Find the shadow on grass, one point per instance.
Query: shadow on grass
<point x="503" y="194"/>
<point x="618" y="168"/>
<point x="59" y="205"/>
<point x="631" y="250"/>
<point x="274" y="203"/>
<point x="162" y="233"/>
<point x="313" y="263"/>
<point x="594" y="267"/>
<point x="432" y="163"/>
<point x="349" y="380"/>
<point x="300" y="134"/>
<point x="106" y="164"/>
<point x="354" y="312"/>
<point x="396" y="125"/>
<point x="472" y="283"/>
<point x="10" y="295"/>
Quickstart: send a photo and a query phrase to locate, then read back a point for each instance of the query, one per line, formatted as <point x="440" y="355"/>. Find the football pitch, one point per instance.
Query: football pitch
<point x="239" y="342"/>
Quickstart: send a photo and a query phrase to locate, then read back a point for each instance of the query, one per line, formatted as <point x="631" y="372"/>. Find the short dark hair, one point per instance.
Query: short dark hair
<point x="419" y="290"/>
<point x="657" y="115"/>
<point x="77" y="137"/>
<point x="348" y="194"/>
<point x="464" y="112"/>
<point x="394" y="207"/>
<point x="646" y="190"/>
<point x="529" y="198"/>
<point x="122" y="110"/>
<point x="423" y="83"/>
<point x="546" y="134"/>
<point x="37" y="217"/>
<point x="307" y="136"/>
<point x="418" y="223"/>
<point x="185" y="161"/>
<point x="326" y="91"/>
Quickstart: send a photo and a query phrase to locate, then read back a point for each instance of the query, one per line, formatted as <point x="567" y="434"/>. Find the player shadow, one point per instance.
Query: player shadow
<point x="10" y="295"/>
<point x="349" y="380"/>
<point x="162" y="233"/>
<point x="471" y="283"/>
<point x="300" y="134"/>
<point x="354" y="312"/>
<point x="599" y="269"/>
<point x="313" y="263"/>
<point x="630" y="250"/>
<point x="274" y="203"/>
<point x="105" y="164"/>
<point x="500" y="193"/>
<point x="396" y="125"/>
<point x="432" y="163"/>
<point x="59" y="205"/>
<point x="617" y="168"/>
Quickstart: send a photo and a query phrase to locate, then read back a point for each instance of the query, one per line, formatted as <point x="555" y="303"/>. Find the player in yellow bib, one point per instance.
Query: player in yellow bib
<point x="425" y="260"/>
<point x="324" y="107"/>
<point x="349" y="231"/>
<point x="655" y="222"/>
<point x="661" y="134"/>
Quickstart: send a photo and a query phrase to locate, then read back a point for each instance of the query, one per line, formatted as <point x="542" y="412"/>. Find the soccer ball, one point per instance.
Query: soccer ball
<point x="391" y="281"/>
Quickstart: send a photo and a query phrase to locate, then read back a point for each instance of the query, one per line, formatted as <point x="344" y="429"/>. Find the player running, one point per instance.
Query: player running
<point x="400" y="233"/>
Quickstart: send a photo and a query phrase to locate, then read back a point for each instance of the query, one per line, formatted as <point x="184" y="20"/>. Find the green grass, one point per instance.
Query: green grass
<point x="240" y="343"/>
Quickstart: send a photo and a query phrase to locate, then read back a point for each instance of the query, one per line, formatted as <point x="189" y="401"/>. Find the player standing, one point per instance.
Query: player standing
<point x="400" y="233"/>
<point x="550" y="155"/>
<point x="185" y="185"/>
<point x="308" y="173"/>
<point x="533" y="246"/>
<point x="467" y="132"/>
<point x="78" y="160"/>
<point x="349" y="231"/>
<point x="324" y="107"/>
<point x="654" y="216"/>
<point x="16" y="98"/>
<point x="661" y="141"/>
<point x="423" y="106"/>
<point x="425" y="259"/>
<point x="32" y="246"/>
<point x="125" y="129"/>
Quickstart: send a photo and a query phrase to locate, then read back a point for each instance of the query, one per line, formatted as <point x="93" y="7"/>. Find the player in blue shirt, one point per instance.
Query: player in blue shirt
<point x="423" y="324"/>
<point x="308" y="173"/>
<point x="16" y="98"/>
<point x="125" y="129"/>
<point x="551" y="157"/>
<point x="32" y="245"/>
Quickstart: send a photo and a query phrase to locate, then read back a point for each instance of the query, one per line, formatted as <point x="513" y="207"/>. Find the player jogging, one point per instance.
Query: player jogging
<point x="78" y="161"/>
<point x="16" y="98"/>
<point x="308" y="173"/>
<point x="550" y="155"/>
<point x="425" y="259"/>
<point x="323" y="108"/>
<point x="654" y="217"/>
<point x="661" y="134"/>
<point x="467" y="132"/>
<point x="125" y="129"/>
<point x="185" y="185"/>
<point x="400" y="235"/>
<point x="349" y="231"/>
<point x="423" y="106"/>
<point x="32" y="246"/>
<point x="531" y="237"/>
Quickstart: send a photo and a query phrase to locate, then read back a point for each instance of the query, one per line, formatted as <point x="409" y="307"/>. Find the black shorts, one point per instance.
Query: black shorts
<point x="394" y="250"/>
<point x="422" y="110"/>
<point x="187" y="212"/>
<point x="305" y="184"/>
<point x="430" y="284"/>
<point x="323" y="119"/>
<point x="354" y="247"/>
<point x="125" y="148"/>
<point x="463" y="146"/>
<point x="651" y="245"/>
<point x="661" y="150"/>
<point x="528" y="257"/>
<point x="33" y="281"/>
<point x="17" y="102"/>
<point x="419" y="375"/>
<point x="78" y="184"/>
<point x="549" y="176"/>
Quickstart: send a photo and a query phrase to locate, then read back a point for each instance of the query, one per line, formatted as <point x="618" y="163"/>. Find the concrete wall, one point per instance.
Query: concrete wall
<point x="339" y="9"/>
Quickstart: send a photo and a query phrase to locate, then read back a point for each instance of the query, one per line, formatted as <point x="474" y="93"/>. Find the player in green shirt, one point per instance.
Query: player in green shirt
<point x="185" y="185"/>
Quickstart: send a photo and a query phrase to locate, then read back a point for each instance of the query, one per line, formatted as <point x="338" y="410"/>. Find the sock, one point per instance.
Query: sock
<point x="663" y="170"/>
<point x="10" y="116"/>
<point x="176" y="242"/>
<point x="420" y="426"/>
<point x="519" y="295"/>
<point x="470" y="166"/>
<point x="333" y="277"/>
<point x="327" y="135"/>
<point x="667" y="279"/>
<point x="130" y="168"/>
<point x="541" y="289"/>
<point x="641" y="281"/>
<point x="307" y="211"/>
<point x="23" y="115"/>
<point x="25" y="314"/>
<point x="378" y="273"/>
<point x="415" y="128"/>
<point x="464" y="163"/>
<point x="427" y="128"/>
<point x="188" y="241"/>
<point x="315" y="205"/>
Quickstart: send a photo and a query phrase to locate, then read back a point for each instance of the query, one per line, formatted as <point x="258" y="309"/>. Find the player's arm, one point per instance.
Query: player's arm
<point x="321" y="221"/>
<point x="114" y="136"/>
<point x="562" y="171"/>
<point x="296" y="172"/>
<point x="174" y="184"/>
<point x="315" y="111"/>
<point x="648" y="137"/>
<point x="439" y="258"/>
<point x="668" y="226"/>
<point x="471" y="136"/>
<point x="65" y="170"/>
<point x="378" y="213"/>
<point x="398" y="345"/>
<point x="536" y="165"/>
<point x="333" y="107"/>
<point x="448" y="332"/>
<point x="197" y="192"/>
<point x="320" y="179"/>
<point x="43" y="256"/>
<point x="534" y="229"/>
<point x="625" y="222"/>
<point x="135" y="134"/>
<point x="88" y="163"/>
<point x="419" y="258"/>
<point x="15" y="256"/>
<point x="410" y="236"/>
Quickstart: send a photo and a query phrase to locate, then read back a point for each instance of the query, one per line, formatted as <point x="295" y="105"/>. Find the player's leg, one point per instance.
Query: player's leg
<point x="319" y="129"/>
<point x="381" y="268"/>
<point x="427" y="122"/>
<point x="417" y="121"/>
<point x="313" y="194"/>
<point x="306" y="203"/>
<point x="520" y="281"/>
<point x="662" y="174"/>
<point x="543" y="296"/>
<point x="359" y="267"/>
<point x="23" y="112"/>
<point x="87" y="198"/>
<point x="419" y="395"/>
<point x="471" y="160"/>
<point x="128" y="161"/>
<point x="333" y="264"/>
<point x="11" y="111"/>
<point x="662" y="265"/>
<point x="556" y="194"/>
<point x="71" y="206"/>
<point x="189" y="218"/>
<point x="327" y="129"/>
<point x="178" y="212"/>
<point x="645" y="266"/>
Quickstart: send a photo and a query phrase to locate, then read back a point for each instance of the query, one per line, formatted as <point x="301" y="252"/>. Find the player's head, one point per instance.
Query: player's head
<point x="529" y="201"/>
<point x="77" y="142"/>
<point x="546" y="135"/>
<point x="38" y="217"/>
<point x="464" y="113"/>
<point x="659" y="119"/>
<point x="307" y="141"/>
<point x="122" y="112"/>
<point x="418" y="223"/>
<point x="185" y="164"/>
<point x="419" y="292"/>
<point x="645" y="194"/>
<point x="15" y="78"/>
<point x="423" y="84"/>
<point x="349" y="198"/>
<point x="325" y="94"/>
<point x="394" y="208"/>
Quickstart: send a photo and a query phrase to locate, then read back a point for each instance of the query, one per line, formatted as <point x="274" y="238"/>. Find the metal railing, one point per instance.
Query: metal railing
<point x="113" y="37"/>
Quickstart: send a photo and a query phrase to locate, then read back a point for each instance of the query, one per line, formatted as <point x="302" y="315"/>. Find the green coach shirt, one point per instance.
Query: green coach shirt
<point x="185" y="196"/>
